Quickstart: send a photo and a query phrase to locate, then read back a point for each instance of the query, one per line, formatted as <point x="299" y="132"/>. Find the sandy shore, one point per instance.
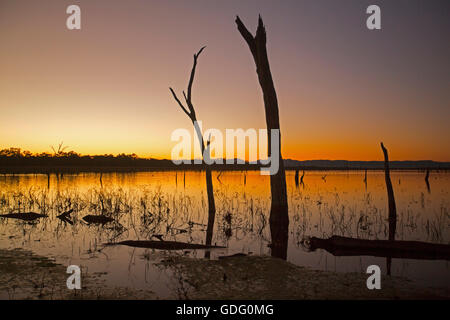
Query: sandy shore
<point x="262" y="277"/>
<point x="24" y="275"/>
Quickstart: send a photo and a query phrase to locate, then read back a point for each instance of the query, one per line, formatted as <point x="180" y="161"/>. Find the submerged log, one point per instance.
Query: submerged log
<point x="343" y="246"/>
<point x="27" y="216"/>
<point x="65" y="215"/>
<point x="236" y="255"/>
<point x="101" y="219"/>
<point x="163" y="245"/>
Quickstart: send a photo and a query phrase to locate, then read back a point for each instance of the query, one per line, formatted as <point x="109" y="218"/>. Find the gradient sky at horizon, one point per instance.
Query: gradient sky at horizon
<point x="341" y="88"/>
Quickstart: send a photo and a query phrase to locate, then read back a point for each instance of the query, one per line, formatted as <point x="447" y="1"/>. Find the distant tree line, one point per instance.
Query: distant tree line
<point x="17" y="157"/>
<point x="15" y="160"/>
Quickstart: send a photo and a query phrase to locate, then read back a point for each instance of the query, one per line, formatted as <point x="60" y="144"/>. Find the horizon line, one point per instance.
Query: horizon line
<point x="193" y="159"/>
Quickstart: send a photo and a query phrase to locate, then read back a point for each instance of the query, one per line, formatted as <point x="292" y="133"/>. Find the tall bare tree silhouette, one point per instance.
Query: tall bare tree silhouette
<point x="279" y="216"/>
<point x="190" y="112"/>
<point x="391" y="204"/>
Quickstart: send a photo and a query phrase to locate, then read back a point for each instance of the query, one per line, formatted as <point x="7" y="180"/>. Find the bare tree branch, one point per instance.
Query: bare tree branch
<point x="248" y="37"/>
<point x="209" y="140"/>
<point x="261" y="32"/>
<point x="189" y="104"/>
<point x="179" y="103"/>
<point x="188" y="97"/>
<point x="191" y="80"/>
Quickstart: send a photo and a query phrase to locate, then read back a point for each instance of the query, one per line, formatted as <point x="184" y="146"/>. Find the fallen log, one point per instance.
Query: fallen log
<point x="343" y="246"/>
<point x="162" y="245"/>
<point x="27" y="216"/>
<point x="100" y="219"/>
<point x="236" y="255"/>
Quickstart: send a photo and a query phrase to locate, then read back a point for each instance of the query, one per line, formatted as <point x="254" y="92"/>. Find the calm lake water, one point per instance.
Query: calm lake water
<point x="174" y="205"/>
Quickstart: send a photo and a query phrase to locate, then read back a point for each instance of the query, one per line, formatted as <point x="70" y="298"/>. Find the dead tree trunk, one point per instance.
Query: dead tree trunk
<point x="427" y="180"/>
<point x="191" y="114"/>
<point x="279" y="218"/>
<point x="390" y="192"/>
<point x="391" y="203"/>
<point x="365" y="179"/>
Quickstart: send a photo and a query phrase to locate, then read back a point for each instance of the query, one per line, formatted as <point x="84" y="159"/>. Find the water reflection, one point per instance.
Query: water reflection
<point x="147" y="205"/>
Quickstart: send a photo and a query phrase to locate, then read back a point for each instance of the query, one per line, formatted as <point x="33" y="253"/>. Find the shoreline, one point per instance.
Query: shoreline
<point x="25" y="275"/>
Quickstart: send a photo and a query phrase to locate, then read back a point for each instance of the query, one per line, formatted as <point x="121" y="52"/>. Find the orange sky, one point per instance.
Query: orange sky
<point x="342" y="88"/>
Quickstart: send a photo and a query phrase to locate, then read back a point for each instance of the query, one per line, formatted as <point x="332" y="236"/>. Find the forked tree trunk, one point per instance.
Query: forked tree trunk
<point x="190" y="111"/>
<point x="279" y="218"/>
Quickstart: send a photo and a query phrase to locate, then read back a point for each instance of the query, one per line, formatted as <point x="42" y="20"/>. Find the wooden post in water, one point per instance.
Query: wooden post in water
<point x="427" y="181"/>
<point x="365" y="178"/>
